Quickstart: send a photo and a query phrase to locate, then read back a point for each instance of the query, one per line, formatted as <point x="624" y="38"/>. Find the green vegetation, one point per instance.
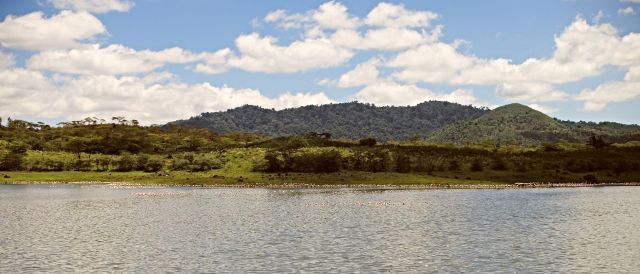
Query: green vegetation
<point x="516" y="124"/>
<point x="351" y="121"/>
<point x="123" y="151"/>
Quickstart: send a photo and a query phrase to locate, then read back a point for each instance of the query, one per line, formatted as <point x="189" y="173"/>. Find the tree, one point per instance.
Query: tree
<point x="13" y="160"/>
<point x="597" y="142"/>
<point x="367" y="142"/>
<point x="476" y="165"/>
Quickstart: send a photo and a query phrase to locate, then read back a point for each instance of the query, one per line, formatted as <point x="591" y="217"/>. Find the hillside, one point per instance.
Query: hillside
<point x="346" y="120"/>
<point x="519" y="124"/>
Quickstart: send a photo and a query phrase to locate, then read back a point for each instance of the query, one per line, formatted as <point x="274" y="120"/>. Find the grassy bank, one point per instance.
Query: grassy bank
<point x="212" y="178"/>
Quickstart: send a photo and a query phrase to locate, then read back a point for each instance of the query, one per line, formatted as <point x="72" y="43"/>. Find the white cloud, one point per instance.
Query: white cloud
<point x="627" y="11"/>
<point x="617" y="91"/>
<point x="363" y="74"/>
<point x="386" y="92"/>
<point x="93" y="6"/>
<point x="35" y="32"/>
<point x="582" y="50"/>
<point x="6" y="60"/>
<point x="214" y="62"/>
<point x="111" y="60"/>
<point x="262" y="54"/>
<point x="543" y="108"/>
<point x="155" y="98"/>
<point x="333" y="15"/>
<point x="330" y="15"/>
<point x="384" y="38"/>
<point x="391" y="15"/>
<point x="534" y="92"/>
<point x="630" y="1"/>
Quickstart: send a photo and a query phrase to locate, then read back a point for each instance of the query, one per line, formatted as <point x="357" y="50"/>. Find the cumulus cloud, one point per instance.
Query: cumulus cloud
<point x="387" y="93"/>
<point x="93" y="6"/>
<point x="34" y="31"/>
<point x="392" y="15"/>
<point x="263" y="54"/>
<point x="330" y="15"/>
<point x="582" y="50"/>
<point x="627" y="11"/>
<point x="111" y="60"/>
<point x="616" y="91"/>
<point x="361" y="75"/>
<point x="6" y="60"/>
<point x="154" y="98"/>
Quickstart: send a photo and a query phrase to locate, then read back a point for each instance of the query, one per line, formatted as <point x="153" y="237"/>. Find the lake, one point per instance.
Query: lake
<point x="92" y="228"/>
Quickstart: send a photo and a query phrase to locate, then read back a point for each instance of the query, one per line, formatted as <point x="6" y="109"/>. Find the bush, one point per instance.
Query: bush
<point x="367" y="142"/>
<point x="498" y="164"/>
<point x="191" y="162"/>
<point x="13" y="159"/>
<point x="454" y="165"/>
<point x="476" y="165"/>
<point x="590" y="178"/>
<point x="154" y="165"/>
<point x="125" y="163"/>
<point x="403" y="163"/>
<point x="325" y="161"/>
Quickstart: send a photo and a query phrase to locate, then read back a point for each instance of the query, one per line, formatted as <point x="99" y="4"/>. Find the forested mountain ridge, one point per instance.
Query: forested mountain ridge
<point x="522" y="125"/>
<point x="344" y="120"/>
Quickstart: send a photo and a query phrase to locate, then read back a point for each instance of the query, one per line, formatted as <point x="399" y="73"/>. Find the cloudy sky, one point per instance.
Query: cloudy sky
<point x="158" y="61"/>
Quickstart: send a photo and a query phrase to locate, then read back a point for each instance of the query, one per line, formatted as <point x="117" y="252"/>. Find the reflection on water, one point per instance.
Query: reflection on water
<point x="64" y="228"/>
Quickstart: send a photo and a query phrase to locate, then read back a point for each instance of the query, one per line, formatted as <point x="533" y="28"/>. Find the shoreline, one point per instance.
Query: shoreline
<point x="333" y="186"/>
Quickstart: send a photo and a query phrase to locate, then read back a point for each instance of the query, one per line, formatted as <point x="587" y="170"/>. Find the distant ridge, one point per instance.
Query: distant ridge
<point x="436" y="121"/>
<point x="344" y="120"/>
<point x="519" y="124"/>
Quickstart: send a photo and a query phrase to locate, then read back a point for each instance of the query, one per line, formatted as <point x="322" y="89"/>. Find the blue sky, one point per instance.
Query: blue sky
<point x="163" y="60"/>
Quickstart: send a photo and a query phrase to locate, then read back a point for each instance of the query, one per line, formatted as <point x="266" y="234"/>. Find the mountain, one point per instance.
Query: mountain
<point x="519" y="124"/>
<point x="345" y="120"/>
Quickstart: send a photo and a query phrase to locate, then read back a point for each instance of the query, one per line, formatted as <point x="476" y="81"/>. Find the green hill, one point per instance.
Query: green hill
<point x="519" y="124"/>
<point x="345" y="120"/>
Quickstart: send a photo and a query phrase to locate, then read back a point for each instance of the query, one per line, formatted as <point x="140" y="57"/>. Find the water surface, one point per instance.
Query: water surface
<point x="73" y="228"/>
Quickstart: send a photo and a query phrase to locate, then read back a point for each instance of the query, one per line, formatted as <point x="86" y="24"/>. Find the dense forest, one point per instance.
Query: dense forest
<point x="346" y="120"/>
<point x="437" y="122"/>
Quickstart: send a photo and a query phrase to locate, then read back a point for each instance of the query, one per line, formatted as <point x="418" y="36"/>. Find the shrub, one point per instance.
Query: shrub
<point x="325" y="161"/>
<point x="403" y="163"/>
<point x="476" y="165"/>
<point x="454" y="165"/>
<point x="154" y="165"/>
<point x="590" y="178"/>
<point x="367" y="142"/>
<point x="498" y="164"/>
<point x="125" y="163"/>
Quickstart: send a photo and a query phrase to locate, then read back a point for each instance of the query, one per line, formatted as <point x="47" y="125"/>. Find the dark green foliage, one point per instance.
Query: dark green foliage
<point x="153" y="165"/>
<point x="367" y="142"/>
<point x="597" y="142"/>
<point x="13" y="159"/>
<point x="454" y="165"/>
<point x="403" y="163"/>
<point x="346" y="120"/>
<point x="476" y="165"/>
<point x="326" y="161"/>
<point x="125" y="163"/>
<point x="590" y="178"/>
<point x="498" y="164"/>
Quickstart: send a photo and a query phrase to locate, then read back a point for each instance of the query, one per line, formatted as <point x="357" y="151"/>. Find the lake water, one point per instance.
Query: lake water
<point x="72" y="228"/>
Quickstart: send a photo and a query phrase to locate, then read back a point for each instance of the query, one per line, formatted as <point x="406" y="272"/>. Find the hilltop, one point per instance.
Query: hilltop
<point x="345" y="120"/>
<point x="522" y="125"/>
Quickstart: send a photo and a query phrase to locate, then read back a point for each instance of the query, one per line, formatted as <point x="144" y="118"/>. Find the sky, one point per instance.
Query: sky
<point x="158" y="60"/>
